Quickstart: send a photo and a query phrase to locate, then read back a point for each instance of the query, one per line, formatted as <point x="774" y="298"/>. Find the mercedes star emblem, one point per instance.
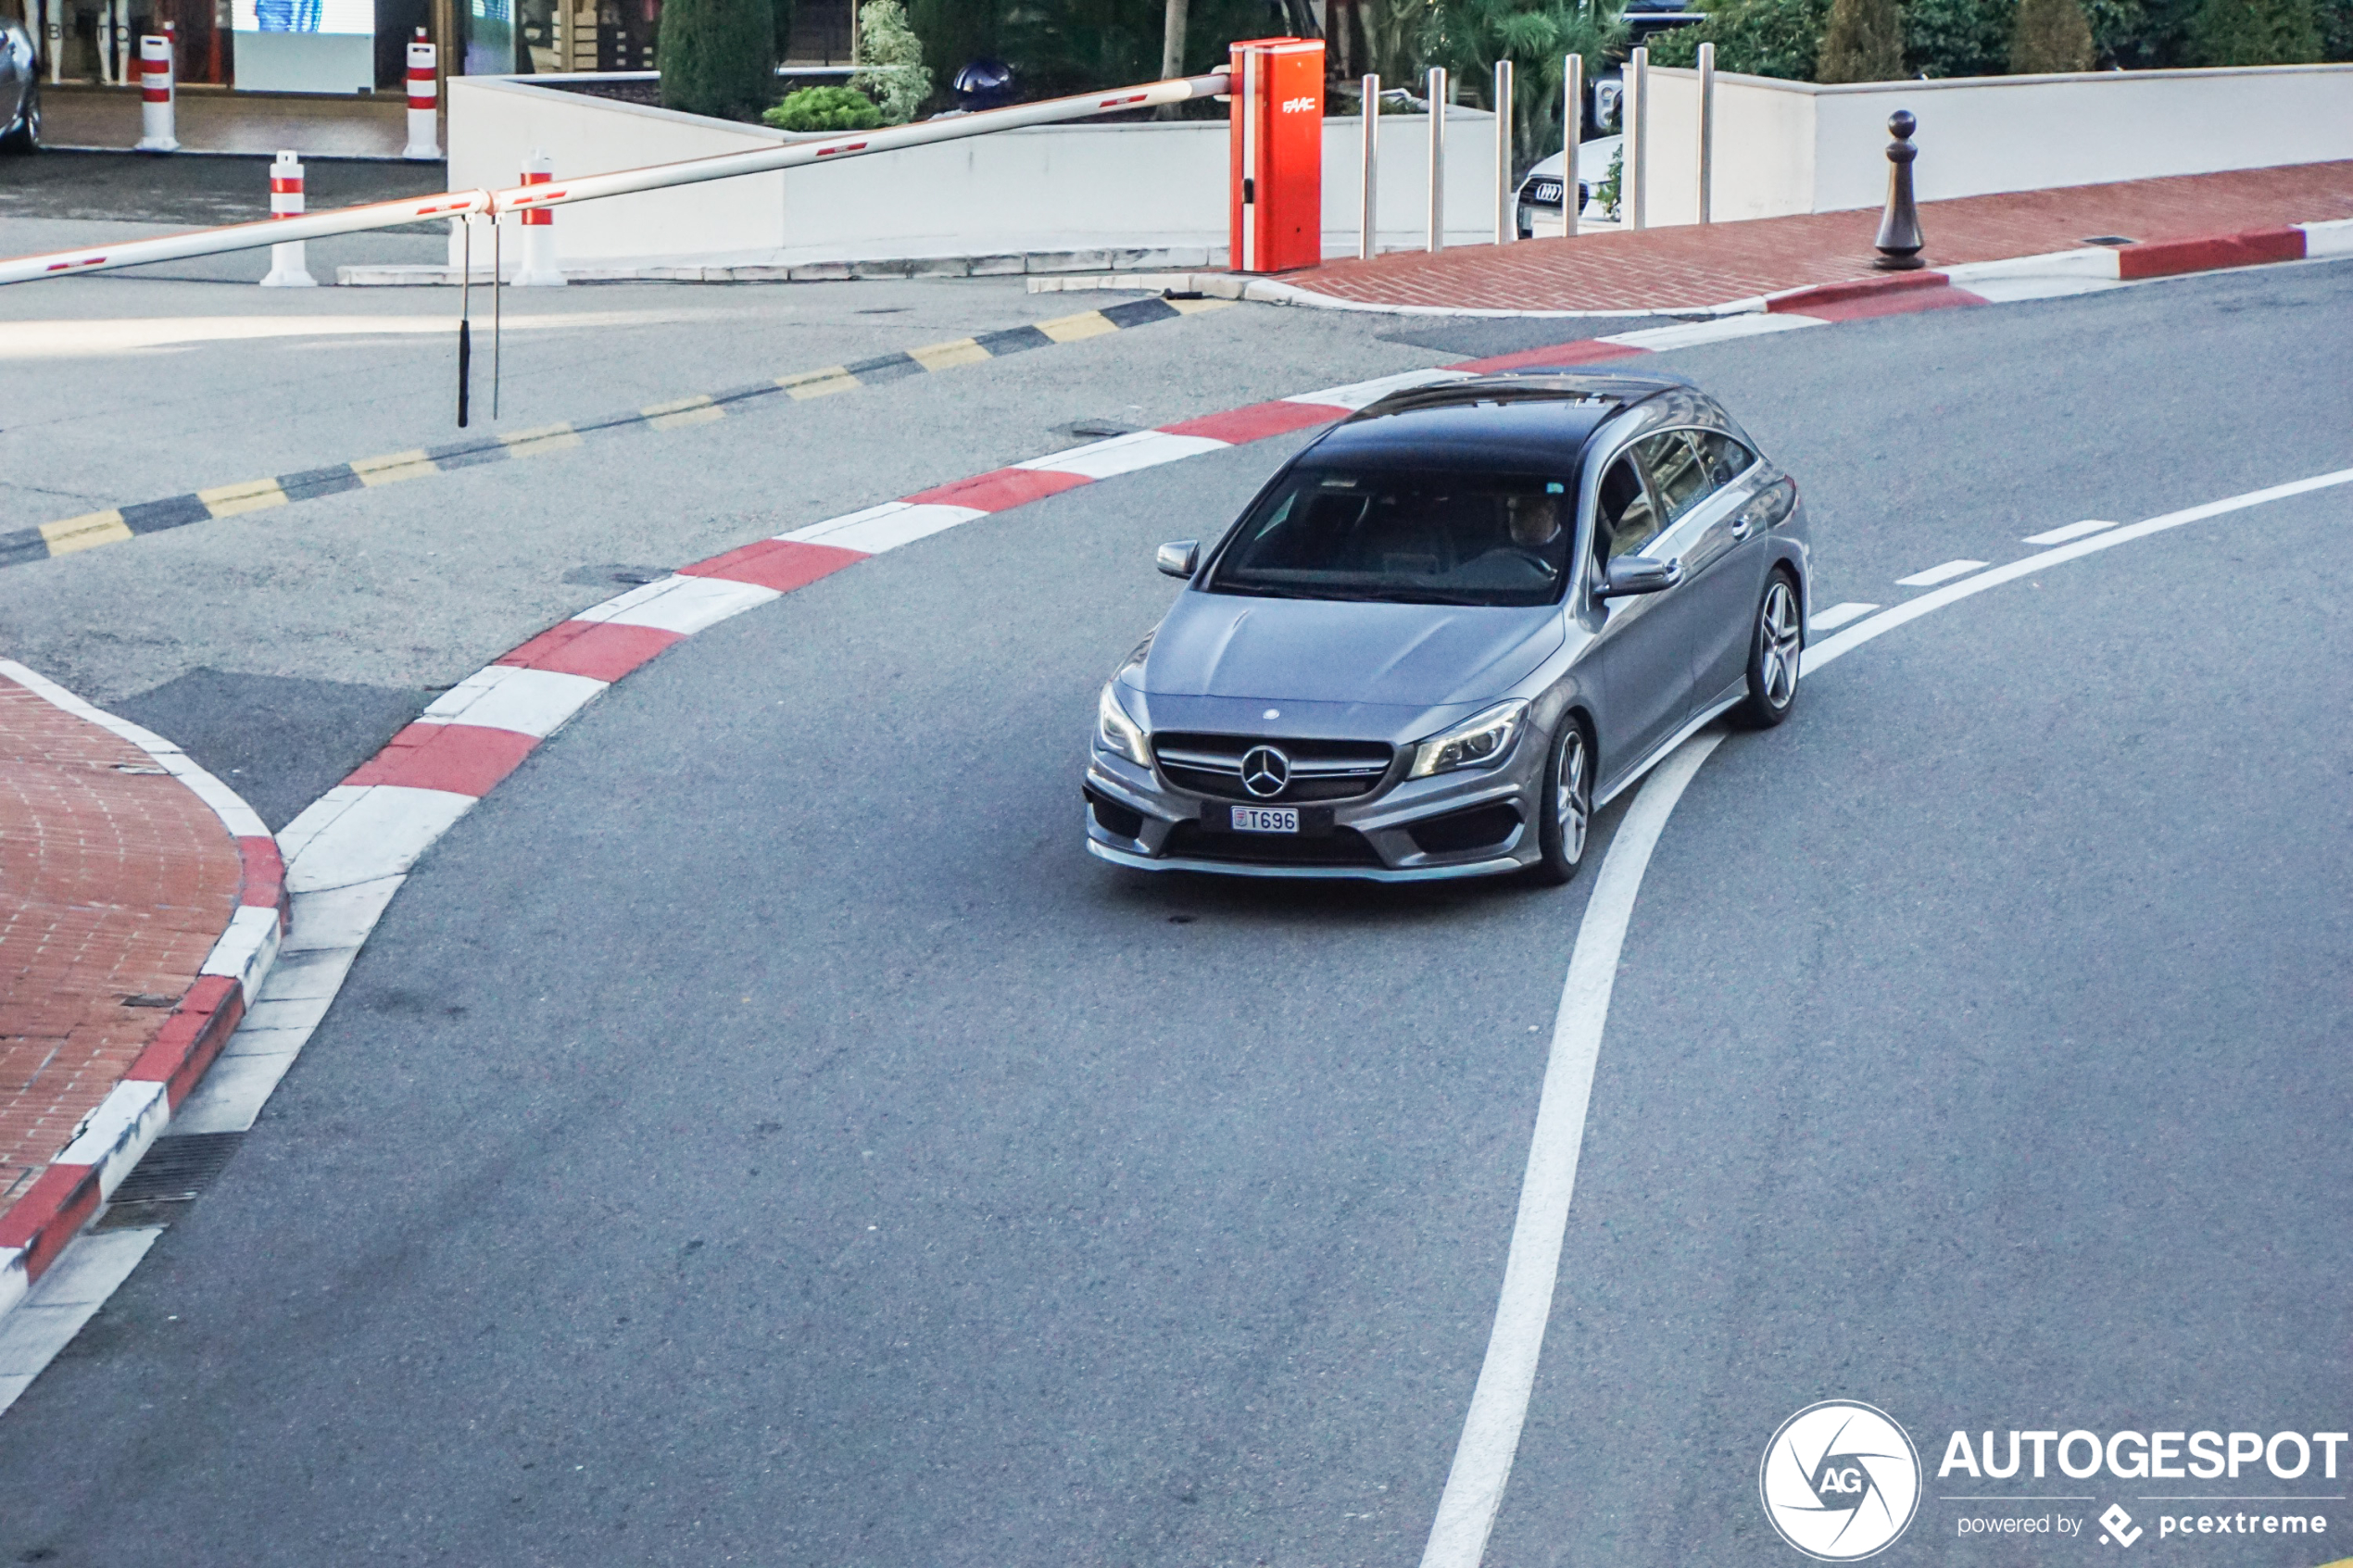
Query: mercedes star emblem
<point x="1264" y="772"/>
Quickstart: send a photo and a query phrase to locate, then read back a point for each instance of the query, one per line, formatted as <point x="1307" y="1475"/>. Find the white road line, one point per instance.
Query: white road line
<point x="1499" y="1403"/>
<point x="2072" y="530"/>
<point x="1838" y="615"/>
<point x="1490" y="1432"/>
<point x="1855" y="636"/>
<point x="1936" y="574"/>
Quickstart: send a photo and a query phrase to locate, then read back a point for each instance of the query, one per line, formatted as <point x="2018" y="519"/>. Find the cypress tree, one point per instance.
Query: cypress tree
<point x="717" y="56"/>
<point x="2051" y="36"/>
<point x="2255" y="33"/>
<point x="1863" y="43"/>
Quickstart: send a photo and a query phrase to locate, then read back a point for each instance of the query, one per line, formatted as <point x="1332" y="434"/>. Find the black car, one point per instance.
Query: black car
<point x="20" y="88"/>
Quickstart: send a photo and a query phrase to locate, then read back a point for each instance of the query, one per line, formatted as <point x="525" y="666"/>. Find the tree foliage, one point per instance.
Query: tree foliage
<point x="1945" y="38"/>
<point x="894" y="75"/>
<point x="2051" y="36"/>
<point x="1777" y="38"/>
<point x="1863" y="43"/>
<point x="717" y="56"/>
<point x="1469" y="36"/>
<point x="2255" y="33"/>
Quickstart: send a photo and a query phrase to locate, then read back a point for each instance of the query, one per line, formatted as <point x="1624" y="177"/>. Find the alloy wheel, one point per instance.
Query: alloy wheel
<point x="1781" y="641"/>
<point x="1571" y="810"/>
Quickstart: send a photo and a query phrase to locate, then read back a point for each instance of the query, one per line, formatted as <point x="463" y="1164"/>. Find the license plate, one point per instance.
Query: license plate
<point x="1265" y="818"/>
<point x="1545" y="193"/>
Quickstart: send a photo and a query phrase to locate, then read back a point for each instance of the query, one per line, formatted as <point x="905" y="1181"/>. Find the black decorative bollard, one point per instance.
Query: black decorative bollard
<point x="1899" y="239"/>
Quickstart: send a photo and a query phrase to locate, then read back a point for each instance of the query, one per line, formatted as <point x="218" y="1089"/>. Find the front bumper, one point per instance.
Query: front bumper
<point x="1370" y="838"/>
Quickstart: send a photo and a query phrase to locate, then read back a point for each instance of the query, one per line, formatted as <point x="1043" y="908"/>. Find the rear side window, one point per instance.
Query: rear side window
<point x="1724" y="459"/>
<point x="1676" y="470"/>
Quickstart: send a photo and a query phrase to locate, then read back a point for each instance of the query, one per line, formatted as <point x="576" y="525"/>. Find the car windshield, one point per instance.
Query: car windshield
<point x="1407" y="537"/>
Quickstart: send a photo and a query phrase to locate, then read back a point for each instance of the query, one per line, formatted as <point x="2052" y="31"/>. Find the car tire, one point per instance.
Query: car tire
<point x="1565" y="825"/>
<point x="1776" y="654"/>
<point x="26" y="137"/>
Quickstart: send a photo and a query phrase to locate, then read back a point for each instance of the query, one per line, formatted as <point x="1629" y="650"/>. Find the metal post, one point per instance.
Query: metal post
<point x="1572" y="137"/>
<point x="1368" y="205"/>
<point x="1637" y="119"/>
<point x="447" y="50"/>
<point x="1437" y="89"/>
<point x="1900" y="239"/>
<point x="52" y="39"/>
<point x="1707" y="131"/>
<point x="1506" y="218"/>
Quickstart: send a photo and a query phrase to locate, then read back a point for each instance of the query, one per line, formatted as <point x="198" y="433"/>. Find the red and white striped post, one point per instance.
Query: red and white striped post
<point x="288" y="269"/>
<point x="425" y="101"/>
<point x="156" y="129"/>
<point x="539" y="268"/>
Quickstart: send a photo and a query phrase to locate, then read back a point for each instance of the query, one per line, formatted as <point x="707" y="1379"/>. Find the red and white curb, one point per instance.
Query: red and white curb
<point x="348" y="853"/>
<point x="2045" y="276"/>
<point x="37" y="1229"/>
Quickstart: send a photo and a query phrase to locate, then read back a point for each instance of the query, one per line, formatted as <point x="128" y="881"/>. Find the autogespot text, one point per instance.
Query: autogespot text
<point x="2158" y="1456"/>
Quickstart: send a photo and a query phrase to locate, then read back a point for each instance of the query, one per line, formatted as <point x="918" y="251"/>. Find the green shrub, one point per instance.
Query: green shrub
<point x="2255" y="33"/>
<point x="717" y="56"/>
<point x="893" y="56"/>
<point x="824" y="108"/>
<point x="1863" y="43"/>
<point x="1944" y="38"/>
<point x="1777" y="38"/>
<point x="2052" y="36"/>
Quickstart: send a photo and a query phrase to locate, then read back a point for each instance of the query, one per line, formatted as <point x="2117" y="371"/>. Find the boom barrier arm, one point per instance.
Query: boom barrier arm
<point x="621" y="183"/>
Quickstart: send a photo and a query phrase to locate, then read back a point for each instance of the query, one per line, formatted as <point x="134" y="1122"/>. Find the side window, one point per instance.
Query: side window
<point x="1625" y="520"/>
<point x="1725" y="458"/>
<point x="1675" y="469"/>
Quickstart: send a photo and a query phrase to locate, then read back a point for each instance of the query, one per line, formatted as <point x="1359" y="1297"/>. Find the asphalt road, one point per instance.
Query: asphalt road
<point x="760" y="1134"/>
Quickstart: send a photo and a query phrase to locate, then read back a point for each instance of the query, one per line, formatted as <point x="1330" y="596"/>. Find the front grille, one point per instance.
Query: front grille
<point x="1341" y="846"/>
<point x="1320" y="769"/>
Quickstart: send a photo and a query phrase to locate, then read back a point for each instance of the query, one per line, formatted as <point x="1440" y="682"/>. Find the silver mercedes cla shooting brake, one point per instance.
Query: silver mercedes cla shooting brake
<point x="1449" y="630"/>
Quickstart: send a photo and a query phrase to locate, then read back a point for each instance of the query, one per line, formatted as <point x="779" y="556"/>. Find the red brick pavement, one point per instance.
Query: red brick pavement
<point x="1693" y="266"/>
<point x="115" y="881"/>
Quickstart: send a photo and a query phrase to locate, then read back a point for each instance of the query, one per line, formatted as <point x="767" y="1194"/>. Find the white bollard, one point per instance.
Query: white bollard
<point x="539" y="269"/>
<point x="1707" y="132"/>
<point x="155" y="133"/>
<point x="425" y="101"/>
<point x="1507" y="210"/>
<point x="1634" y="116"/>
<point x="287" y="268"/>
<point x="1437" y="90"/>
<point x="1572" y="138"/>
<point x="1368" y="176"/>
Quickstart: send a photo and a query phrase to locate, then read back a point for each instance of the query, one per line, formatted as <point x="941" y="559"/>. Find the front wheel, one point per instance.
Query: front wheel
<point x="26" y="137"/>
<point x="1776" y="653"/>
<point x="1567" y="806"/>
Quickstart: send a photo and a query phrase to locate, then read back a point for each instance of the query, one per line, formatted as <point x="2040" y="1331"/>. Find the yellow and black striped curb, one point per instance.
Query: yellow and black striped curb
<point x="118" y="523"/>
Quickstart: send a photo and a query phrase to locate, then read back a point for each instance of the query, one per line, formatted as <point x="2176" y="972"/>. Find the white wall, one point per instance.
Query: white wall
<point x="1039" y="188"/>
<point x="1793" y="146"/>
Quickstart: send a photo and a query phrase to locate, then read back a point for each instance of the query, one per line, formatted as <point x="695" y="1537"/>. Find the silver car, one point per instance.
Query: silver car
<point x="1449" y="630"/>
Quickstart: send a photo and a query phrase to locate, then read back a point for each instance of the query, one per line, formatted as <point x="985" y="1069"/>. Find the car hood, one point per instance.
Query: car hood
<point x="1320" y="650"/>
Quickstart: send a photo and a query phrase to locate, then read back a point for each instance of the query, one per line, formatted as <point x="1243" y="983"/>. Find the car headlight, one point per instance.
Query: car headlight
<point x="1480" y="741"/>
<point x="1116" y="732"/>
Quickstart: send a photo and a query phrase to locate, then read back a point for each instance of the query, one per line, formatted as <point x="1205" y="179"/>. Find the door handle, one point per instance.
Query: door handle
<point x="1740" y="526"/>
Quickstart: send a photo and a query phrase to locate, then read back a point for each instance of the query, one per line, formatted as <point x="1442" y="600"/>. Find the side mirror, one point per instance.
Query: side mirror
<point x="1179" y="558"/>
<point x="1628" y="575"/>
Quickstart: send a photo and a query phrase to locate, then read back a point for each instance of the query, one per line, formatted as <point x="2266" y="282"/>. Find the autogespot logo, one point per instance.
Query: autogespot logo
<point x="1840" y="1480"/>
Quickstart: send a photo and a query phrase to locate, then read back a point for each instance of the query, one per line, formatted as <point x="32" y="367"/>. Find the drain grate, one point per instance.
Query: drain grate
<point x="174" y="1173"/>
<point x="2110" y="240"/>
